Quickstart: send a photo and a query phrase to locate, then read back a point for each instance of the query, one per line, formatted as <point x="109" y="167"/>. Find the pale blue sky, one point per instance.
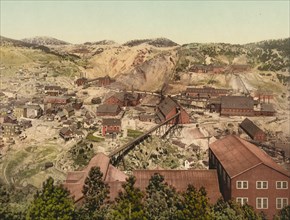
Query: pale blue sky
<point x="181" y="21"/>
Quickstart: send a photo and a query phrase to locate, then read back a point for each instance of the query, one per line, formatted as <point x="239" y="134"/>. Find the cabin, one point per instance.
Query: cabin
<point x="66" y="133"/>
<point x="253" y="130"/>
<point x="68" y="111"/>
<point x="248" y="175"/>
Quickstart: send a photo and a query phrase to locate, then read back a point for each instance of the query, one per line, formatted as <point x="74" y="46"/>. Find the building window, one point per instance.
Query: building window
<point x="242" y="200"/>
<point x="281" y="203"/>
<point x="262" y="203"/>
<point x="281" y="185"/>
<point x="262" y="184"/>
<point x="242" y="184"/>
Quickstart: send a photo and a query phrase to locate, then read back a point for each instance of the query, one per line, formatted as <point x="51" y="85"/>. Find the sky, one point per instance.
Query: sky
<point x="79" y="21"/>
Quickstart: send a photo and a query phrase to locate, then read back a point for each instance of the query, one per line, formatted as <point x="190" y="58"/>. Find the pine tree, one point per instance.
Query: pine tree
<point x="284" y="214"/>
<point x="52" y="202"/>
<point x="128" y="204"/>
<point x="5" y="212"/>
<point x="195" y="204"/>
<point x="161" y="200"/>
<point x="95" y="195"/>
<point x="233" y="210"/>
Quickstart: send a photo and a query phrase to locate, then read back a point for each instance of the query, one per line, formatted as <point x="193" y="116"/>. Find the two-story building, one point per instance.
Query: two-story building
<point x="111" y="126"/>
<point x="248" y="175"/>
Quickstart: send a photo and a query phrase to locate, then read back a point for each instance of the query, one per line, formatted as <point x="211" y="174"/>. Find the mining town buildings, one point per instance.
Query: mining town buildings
<point x="206" y="92"/>
<point x="54" y="90"/>
<point x="56" y="100"/>
<point x="237" y="106"/>
<point x="249" y="175"/>
<point x="33" y="111"/>
<point x="81" y="81"/>
<point x="68" y="111"/>
<point x="108" y="110"/>
<point x="111" y="126"/>
<point x="124" y="99"/>
<point x="253" y="130"/>
<point x="66" y="133"/>
<point x="10" y="129"/>
<point x="198" y="69"/>
<point x="168" y="108"/>
<point x="105" y="81"/>
<point x="27" y="111"/>
<point x="179" y="179"/>
<point x="267" y="109"/>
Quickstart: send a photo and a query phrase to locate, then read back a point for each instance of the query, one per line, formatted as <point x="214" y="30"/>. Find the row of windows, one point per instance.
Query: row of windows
<point x="262" y="202"/>
<point x="262" y="185"/>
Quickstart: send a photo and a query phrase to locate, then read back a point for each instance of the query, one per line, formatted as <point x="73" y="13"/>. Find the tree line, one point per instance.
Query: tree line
<point x="160" y="201"/>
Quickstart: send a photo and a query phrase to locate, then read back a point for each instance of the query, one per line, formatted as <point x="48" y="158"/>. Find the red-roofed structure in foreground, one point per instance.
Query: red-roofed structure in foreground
<point x="249" y="175"/>
<point x="179" y="179"/>
<point x="112" y="176"/>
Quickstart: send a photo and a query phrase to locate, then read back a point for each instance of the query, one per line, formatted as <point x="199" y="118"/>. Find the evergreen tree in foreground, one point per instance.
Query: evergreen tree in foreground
<point x="232" y="210"/>
<point x="284" y="214"/>
<point x="95" y="195"/>
<point x="161" y="200"/>
<point x="128" y="204"/>
<point x="52" y="202"/>
<point x="195" y="204"/>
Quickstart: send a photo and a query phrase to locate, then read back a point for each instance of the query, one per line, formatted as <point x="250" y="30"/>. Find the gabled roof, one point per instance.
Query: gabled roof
<point x="112" y="176"/>
<point x="111" y="121"/>
<point x="250" y="128"/>
<point x="167" y="105"/>
<point x="238" y="156"/>
<point x="108" y="108"/>
<point x="180" y="179"/>
<point x="237" y="102"/>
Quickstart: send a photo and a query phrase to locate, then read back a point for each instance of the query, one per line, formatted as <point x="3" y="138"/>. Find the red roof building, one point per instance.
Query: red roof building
<point x="249" y="175"/>
<point x="111" y="126"/>
<point x="180" y="179"/>
<point x="168" y="108"/>
<point x="237" y="106"/>
<point x="124" y="99"/>
<point x="206" y="92"/>
<point x="253" y="130"/>
<point x="108" y="110"/>
<point x="112" y="176"/>
<point x="56" y="100"/>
